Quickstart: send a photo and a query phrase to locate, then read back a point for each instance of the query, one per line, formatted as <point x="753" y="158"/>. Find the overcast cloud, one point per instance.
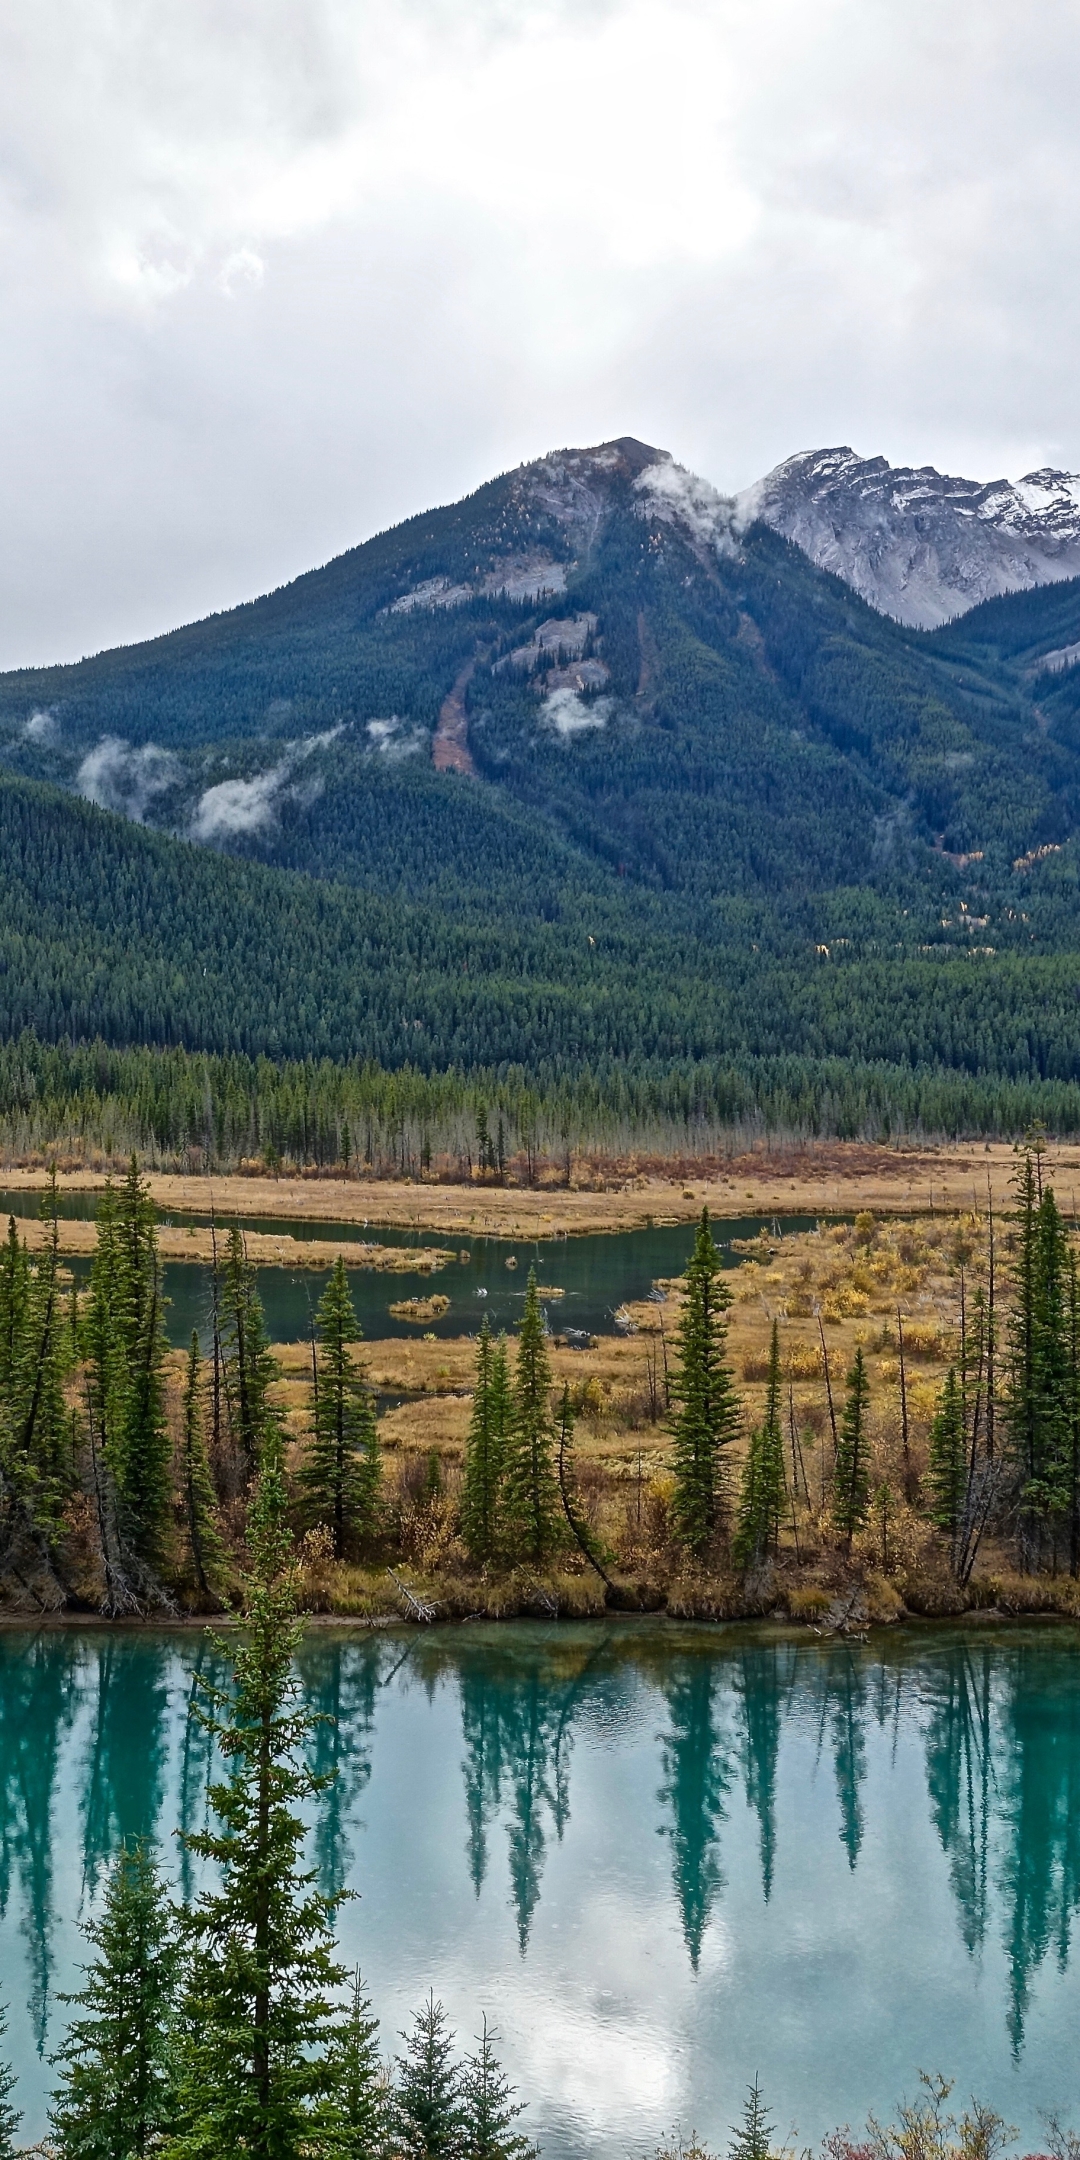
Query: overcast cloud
<point x="276" y="273"/>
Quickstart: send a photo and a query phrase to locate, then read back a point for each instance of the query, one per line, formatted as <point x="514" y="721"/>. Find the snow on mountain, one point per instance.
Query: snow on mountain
<point x="918" y="544"/>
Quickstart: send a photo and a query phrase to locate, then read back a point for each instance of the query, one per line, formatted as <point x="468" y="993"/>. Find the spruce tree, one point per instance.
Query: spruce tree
<point x="428" y="2115"/>
<point x="360" y="2094"/>
<point x="851" y="1492"/>
<point x="126" y="1350"/>
<point x="488" y="2108"/>
<point x="532" y="1514"/>
<point x="247" y="1368"/>
<point x="761" y="1498"/>
<point x="14" y="1304"/>
<point x="257" y="2030"/>
<point x="1040" y="1389"/>
<point x="39" y="1427"/>
<point x="198" y="1498"/>
<point x="115" y="2096"/>
<point x="484" y="1450"/>
<point x="946" y="1477"/>
<point x="708" y="1419"/>
<point x="751" y="2141"/>
<point x="339" y="1482"/>
<point x="10" y="2117"/>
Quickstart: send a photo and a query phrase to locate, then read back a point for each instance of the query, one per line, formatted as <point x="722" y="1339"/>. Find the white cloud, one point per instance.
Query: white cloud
<point x="571" y="715"/>
<point x="234" y="807"/>
<point x="41" y="727"/>
<point x="274" y="277"/>
<point x="125" y="779"/>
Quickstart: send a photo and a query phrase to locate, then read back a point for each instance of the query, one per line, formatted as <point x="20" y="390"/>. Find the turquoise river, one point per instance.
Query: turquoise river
<point x="659" y="1858"/>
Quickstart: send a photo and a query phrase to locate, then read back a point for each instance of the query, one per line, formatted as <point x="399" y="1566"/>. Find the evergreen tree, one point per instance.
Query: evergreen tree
<point x="947" y="1470"/>
<point x="761" y="1498"/>
<point x="339" y="1482"/>
<point x="248" y="1369"/>
<point x="488" y="2108"/>
<point x="851" y="1495"/>
<point x="10" y="2117"/>
<point x="198" y="1498"/>
<point x="532" y="1516"/>
<point x="359" y="2085"/>
<point x="709" y="1416"/>
<point x="484" y="1450"/>
<point x="1041" y="1385"/>
<point x="126" y="1350"/>
<point x="114" y="2100"/>
<point x="751" y="2141"/>
<point x="38" y="1423"/>
<point x="428" y="2097"/>
<point x="256" y="2030"/>
<point x="14" y="1304"/>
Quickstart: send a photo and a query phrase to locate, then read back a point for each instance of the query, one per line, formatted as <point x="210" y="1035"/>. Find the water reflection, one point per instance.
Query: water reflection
<point x="806" y="1795"/>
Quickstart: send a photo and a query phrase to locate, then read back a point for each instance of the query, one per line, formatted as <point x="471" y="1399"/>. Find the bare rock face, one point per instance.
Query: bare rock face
<point x="919" y="544"/>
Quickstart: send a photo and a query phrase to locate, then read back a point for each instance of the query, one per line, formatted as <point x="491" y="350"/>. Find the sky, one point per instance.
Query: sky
<point x="275" y="274"/>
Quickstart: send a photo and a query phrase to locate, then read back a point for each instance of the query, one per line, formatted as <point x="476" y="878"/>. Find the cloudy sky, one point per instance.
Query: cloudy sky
<point x="276" y="273"/>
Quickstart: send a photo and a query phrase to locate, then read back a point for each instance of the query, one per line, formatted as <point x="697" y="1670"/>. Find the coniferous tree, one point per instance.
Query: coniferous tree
<point x="360" y="2092"/>
<point x="851" y="1496"/>
<point x="10" y="2117"/>
<point x="339" y="1482"/>
<point x="1039" y="1402"/>
<point x="14" y="1304"/>
<point x="247" y="1367"/>
<point x="946" y="1476"/>
<point x="115" y="2095"/>
<point x="38" y="1423"/>
<point x="256" y="2027"/>
<point x="708" y="1419"/>
<point x="532" y="1513"/>
<point x="488" y="2108"/>
<point x="126" y="1349"/>
<point x="484" y="1450"/>
<point x="427" y="2095"/>
<point x="761" y="1497"/>
<point x="198" y="1498"/>
<point x="751" y="2141"/>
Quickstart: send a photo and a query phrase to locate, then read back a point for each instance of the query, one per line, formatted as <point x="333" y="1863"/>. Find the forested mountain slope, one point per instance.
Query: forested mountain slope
<point x="577" y="776"/>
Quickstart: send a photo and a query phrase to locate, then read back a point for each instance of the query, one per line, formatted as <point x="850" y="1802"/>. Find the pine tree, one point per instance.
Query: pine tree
<point x="126" y="1350"/>
<point x="115" y="2098"/>
<point x="14" y="1304"/>
<point x="484" y="1451"/>
<point x="851" y="1495"/>
<point x="198" y="1498"/>
<point x="427" y="2095"/>
<point x="256" y="2028"/>
<point x="532" y="1516"/>
<point x="946" y="1477"/>
<point x="38" y="1424"/>
<point x="751" y="2141"/>
<point x="488" y="2108"/>
<point x="360" y="2093"/>
<point x="10" y="2117"/>
<point x="761" y="1498"/>
<point x="709" y="1417"/>
<point x="339" y="1482"/>
<point x="1039" y="1401"/>
<point x="248" y="1370"/>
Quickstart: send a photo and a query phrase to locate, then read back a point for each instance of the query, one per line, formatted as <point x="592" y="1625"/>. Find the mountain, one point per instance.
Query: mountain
<point x="921" y="545"/>
<point x="583" y="776"/>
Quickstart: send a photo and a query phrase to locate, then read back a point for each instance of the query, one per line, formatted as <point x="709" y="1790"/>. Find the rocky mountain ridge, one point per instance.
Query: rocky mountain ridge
<point x="920" y="545"/>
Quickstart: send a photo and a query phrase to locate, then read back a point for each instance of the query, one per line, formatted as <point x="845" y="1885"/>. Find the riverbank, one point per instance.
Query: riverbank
<point x="832" y="1179"/>
<point x="191" y="1241"/>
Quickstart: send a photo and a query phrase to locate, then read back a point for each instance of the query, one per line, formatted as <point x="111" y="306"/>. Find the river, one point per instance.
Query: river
<point x="661" y="1859"/>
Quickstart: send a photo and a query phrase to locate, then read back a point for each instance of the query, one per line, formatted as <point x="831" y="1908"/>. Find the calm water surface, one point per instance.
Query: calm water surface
<point x="659" y="1858"/>
<point x="597" y="1273"/>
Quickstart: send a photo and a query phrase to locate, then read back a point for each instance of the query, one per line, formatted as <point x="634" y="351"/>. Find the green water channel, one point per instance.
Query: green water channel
<point x="659" y="1858"/>
<point x="597" y="1273"/>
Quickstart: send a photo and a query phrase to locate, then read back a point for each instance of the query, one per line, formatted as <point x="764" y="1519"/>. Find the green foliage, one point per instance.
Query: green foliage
<point x="248" y="1369"/>
<point x="126" y="1347"/>
<point x="947" y="1468"/>
<point x="487" y="2108"/>
<point x="708" y="1419"/>
<point x="10" y="2117"/>
<point x="752" y="2139"/>
<point x="114" y="2101"/>
<point x="427" y="2096"/>
<point x="532" y="1521"/>
<point x="360" y="2095"/>
<point x="485" y="1446"/>
<point x="851" y="1490"/>
<point x="339" y="1482"/>
<point x="257" y="2026"/>
<point x="761" y="1498"/>
<point x="206" y="1547"/>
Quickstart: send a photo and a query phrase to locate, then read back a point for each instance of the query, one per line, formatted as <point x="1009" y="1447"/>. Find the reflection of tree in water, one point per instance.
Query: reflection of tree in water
<point x="762" y="1685"/>
<point x="483" y="1767"/>
<point x="37" y="1703"/>
<point x="1040" y="1778"/>
<point x="340" y="1681"/>
<point x="196" y="1761"/>
<point x="122" y="1788"/>
<point x="842" y="1707"/>
<point x="961" y="1778"/>
<point x="697" y="1779"/>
